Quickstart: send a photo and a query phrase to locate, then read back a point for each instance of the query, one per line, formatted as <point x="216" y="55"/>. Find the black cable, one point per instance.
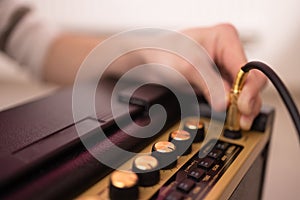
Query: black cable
<point x="281" y="88"/>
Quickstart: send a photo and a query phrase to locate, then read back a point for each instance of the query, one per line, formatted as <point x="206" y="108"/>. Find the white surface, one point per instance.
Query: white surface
<point x="272" y="27"/>
<point x="17" y="86"/>
<point x="282" y="174"/>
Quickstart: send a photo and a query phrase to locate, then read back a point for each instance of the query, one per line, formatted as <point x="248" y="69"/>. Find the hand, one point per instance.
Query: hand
<point x="221" y="42"/>
<point x="223" y="45"/>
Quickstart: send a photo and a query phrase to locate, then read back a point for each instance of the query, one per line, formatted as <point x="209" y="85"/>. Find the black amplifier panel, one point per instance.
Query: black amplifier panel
<point x="195" y="179"/>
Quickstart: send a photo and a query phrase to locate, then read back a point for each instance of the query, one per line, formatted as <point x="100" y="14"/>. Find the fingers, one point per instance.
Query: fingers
<point x="255" y="82"/>
<point x="246" y="120"/>
<point x="215" y="95"/>
<point x="228" y="53"/>
<point x="249" y="101"/>
<point x="223" y="44"/>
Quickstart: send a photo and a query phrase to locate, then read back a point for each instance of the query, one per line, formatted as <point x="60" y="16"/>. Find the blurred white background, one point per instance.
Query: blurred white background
<point x="269" y="29"/>
<point x="272" y="28"/>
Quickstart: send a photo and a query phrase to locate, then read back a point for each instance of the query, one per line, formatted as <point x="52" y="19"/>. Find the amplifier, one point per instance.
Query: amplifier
<point x="223" y="168"/>
<point x="42" y="156"/>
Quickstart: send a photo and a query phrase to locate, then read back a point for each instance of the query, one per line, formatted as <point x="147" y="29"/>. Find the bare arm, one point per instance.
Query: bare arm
<point x="66" y="55"/>
<point x="221" y="42"/>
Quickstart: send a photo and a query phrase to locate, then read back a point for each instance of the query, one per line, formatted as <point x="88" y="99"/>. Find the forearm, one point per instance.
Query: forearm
<point x="65" y="56"/>
<point x="69" y="50"/>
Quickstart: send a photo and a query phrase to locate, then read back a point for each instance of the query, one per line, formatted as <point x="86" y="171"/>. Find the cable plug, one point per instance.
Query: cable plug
<point x="232" y="124"/>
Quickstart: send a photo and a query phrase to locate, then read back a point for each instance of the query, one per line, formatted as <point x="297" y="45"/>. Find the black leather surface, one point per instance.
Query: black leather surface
<point x="41" y="155"/>
<point x="34" y="132"/>
<point x="26" y="124"/>
<point x="77" y="172"/>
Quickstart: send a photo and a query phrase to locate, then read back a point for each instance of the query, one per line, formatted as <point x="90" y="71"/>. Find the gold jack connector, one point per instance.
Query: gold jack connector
<point x="232" y="125"/>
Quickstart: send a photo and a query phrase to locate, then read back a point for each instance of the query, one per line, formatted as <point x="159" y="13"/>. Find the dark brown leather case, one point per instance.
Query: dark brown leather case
<point x="41" y="154"/>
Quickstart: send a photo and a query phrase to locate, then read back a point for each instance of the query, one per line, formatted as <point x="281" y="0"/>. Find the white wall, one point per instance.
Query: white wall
<point x="270" y="28"/>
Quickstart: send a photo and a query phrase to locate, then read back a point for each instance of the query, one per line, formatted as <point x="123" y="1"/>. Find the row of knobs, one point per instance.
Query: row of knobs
<point x="145" y="168"/>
